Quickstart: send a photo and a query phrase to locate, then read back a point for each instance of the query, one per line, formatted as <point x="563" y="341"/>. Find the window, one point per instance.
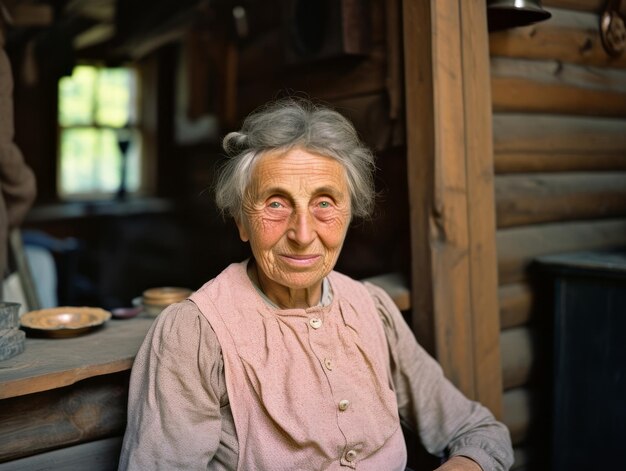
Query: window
<point x="100" y="143"/>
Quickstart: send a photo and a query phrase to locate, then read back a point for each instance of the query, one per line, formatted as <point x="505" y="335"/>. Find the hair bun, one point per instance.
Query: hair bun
<point x="234" y="143"/>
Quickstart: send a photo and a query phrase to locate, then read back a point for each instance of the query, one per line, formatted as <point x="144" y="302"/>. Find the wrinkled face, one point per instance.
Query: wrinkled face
<point x="295" y="216"/>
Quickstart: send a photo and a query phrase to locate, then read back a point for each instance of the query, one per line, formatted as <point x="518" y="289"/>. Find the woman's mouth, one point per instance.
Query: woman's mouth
<point x="300" y="260"/>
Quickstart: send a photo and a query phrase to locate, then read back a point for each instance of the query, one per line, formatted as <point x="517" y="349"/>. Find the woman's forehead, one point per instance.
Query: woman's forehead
<point x="298" y="167"/>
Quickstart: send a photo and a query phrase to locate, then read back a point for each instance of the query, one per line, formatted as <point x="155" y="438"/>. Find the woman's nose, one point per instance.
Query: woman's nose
<point x="302" y="230"/>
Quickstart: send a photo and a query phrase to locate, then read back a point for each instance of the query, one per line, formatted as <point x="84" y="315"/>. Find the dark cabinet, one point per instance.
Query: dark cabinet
<point x="589" y="408"/>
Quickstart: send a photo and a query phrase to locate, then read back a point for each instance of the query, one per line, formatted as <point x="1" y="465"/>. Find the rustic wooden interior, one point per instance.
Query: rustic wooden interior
<point x="493" y="149"/>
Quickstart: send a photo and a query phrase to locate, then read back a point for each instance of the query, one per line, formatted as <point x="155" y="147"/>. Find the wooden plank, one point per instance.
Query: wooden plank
<point x="517" y="356"/>
<point x="450" y="171"/>
<point x="91" y="409"/>
<point x="99" y="455"/>
<point x="555" y="87"/>
<point x="517" y="247"/>
<point x="550" y="134"/>
<point x="536" y="198"/>
<point x="529" y="162"/>
<point x="595" y="6"/>
<point x="52" y="363"/>
<point x="517" y="412"/>
<point x="516" y="302"/>
<point x="569" y="36"/>
<point x="419" y="90"/>
<point x="480" y="201"/>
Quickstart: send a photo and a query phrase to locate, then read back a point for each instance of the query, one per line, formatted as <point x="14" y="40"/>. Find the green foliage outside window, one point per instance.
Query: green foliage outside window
<point x="96" y="109"/>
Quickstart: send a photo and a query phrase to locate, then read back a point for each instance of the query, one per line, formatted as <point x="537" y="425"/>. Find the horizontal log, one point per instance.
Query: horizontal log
<point x="519" y="246"/>
<point x="555" y="87"/>
<point x="517" y="356"/>
<point x="516" y="405"/>
<point x="516" y="302"/>
<point x="537" y="162"/>
<point x="89" y="410"/>
<point x="99" y="455"/>
<point x="537" y="133"/>
<point x="595" y="6"/>
<point x="569" y="36"/>
<point x="526" y="199"/>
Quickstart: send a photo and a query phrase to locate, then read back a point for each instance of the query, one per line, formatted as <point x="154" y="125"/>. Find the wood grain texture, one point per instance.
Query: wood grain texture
<point x="569" y="36"/>
<point x="527" y="199"/>
<point x="517" y="247"/>
<point x="517" y="406"/>
<point x="98" y="455"/>
<point x="540" y="162"/>
<point x="556" y="87"/>
<point x="595" y="6"/>
<point x="450" y="173"/>
<point x="516" y="303"/>
<point x="558" y="134"/>
<point x="480" y="205"/>
<point x="517" y="356"/>
<point x="91" y="409"/>
<point x="53" y="363"/>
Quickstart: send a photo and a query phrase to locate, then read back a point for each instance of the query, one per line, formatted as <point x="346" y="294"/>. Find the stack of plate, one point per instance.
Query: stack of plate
<point x="11" y="337"/>
<point x="154" y="300"/>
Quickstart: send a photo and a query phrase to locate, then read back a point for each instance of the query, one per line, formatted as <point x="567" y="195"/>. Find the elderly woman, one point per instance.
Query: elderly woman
<point x="281" y="363"/>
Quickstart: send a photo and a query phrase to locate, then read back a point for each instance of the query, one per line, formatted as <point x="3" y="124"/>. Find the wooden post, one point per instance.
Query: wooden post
<point x="450" y="171"/>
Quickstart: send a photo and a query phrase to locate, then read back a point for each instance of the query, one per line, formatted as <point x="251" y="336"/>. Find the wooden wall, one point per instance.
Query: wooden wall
<point x="559" y="127"/>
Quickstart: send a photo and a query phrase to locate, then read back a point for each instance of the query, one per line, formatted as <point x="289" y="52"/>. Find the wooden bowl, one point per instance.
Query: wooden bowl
<point x="64" y="321"/>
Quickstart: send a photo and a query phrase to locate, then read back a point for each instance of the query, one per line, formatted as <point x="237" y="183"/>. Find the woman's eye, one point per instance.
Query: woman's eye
<point x="275" y="205"/>
<point x="324" y="204"/>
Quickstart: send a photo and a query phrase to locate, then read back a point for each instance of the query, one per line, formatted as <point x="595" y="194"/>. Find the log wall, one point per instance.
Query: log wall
<point x="559" y="126"/>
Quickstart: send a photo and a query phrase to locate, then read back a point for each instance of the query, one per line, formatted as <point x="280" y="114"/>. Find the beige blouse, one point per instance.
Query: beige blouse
<point x="179" y="414"/>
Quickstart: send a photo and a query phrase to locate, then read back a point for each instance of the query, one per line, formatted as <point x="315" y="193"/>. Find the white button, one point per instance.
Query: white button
<point x="328" y="363"/>
<point x="315" y="323"/>
<point x="343" y="404"/>
<point x="350" y="455"/>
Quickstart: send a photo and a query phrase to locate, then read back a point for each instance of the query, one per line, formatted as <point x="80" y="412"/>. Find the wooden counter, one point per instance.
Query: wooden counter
<point x="68" y="395"/>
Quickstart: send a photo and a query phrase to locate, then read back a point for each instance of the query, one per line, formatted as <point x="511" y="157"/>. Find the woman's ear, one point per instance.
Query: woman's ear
<point x="243" y="231"/>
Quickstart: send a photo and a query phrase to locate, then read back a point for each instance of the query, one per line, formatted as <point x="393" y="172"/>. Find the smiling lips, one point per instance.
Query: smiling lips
<point x="301" y="260"/>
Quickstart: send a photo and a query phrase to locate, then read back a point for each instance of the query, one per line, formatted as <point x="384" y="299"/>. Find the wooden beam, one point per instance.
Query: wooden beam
<point x="516" y="302"/>
<point x="480" y="205"/>
<point x="519" y="246"/>
<point x="569" y="36"/>
<point x="517" y="407"/>
<point x="89" y="410"/>
<point x="98" y="455"/>
<point x="536" y="162"/>
<point x="555" y="87"/>
<point x="517" y="357"/>
<point x="594" y="6"/>
<point x="551" y="134"/>
<point x="535" y="198"/>
<point x="450" y="173"/>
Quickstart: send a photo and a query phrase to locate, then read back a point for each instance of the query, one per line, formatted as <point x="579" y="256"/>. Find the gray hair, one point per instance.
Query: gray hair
<point x="286" y="124"/>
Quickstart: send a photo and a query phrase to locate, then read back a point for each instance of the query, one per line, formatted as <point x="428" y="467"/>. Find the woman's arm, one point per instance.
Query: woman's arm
<point x="446" y="421"/>
<point x="174" y="419"/>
